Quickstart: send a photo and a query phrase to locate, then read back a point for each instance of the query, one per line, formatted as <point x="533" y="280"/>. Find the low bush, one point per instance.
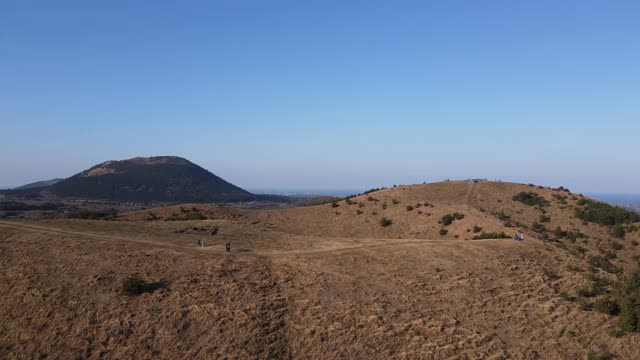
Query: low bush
<point x="618" y="231"/>
<point x="544" y="219"/>
<point x="491" y="235"/>
<point x="95" y="215"/>
<point x="384" y="222"/>
<point x="409" y="208"/>
<point x="627" y="292"/>
<point x="605" y="214"/>
<point x="450" y="218"/>
<point x="443" y="232"/>
<point x="447" y="220"/>
<point x="607" y="306"/>
<point x="603" y="263"/>
<point x="537" y="227"/>
<point x="476" y="229"/>
<point x="531" y="198"/>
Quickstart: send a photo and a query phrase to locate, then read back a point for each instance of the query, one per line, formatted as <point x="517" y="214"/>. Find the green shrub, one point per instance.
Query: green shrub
<point x="447" y="220"/>
<point x="606" y="306"/>
<point x="491" y="235"/>
<point x="531" y="198"/>
<point x="618" y="231"/>
<point x="450" y="218"/>
<point x="537" y="227"/>
<point x="395" y="202"/>
<point x="95" y="215"/>
<point x="384" y="222"/>
<point x="476" y="229"/>
<point x="409" y="208"/>
<point x="544" y="219"/>
<point x="603" y="263"/>
<point x="443" y="232"/>
<point x="194" y="214"/>
<point x="627" y="292"/>
<point x="585" y="292"/>
<point x="605" y="214"/>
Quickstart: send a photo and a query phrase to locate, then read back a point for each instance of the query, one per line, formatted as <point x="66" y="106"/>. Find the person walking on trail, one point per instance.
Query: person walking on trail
<point x="227" y="247"/>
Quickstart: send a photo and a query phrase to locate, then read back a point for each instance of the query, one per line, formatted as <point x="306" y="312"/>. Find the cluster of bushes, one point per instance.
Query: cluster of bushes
<point x="562" y="199"/>
<point x="531" y="198"/>
<point x="491" y="235"/>
<point x="94" y="215"/>
<point x="450" y="218"/>
<point x="569" y="235"/>
<point x="544" y="219"/>
<point x="624" y="301"/>
<point x="349" y="197"/>
<point x="601" y="262"/>
<point x="190" y="214"/>
<point x="537" y="227"/>
<point x="605" y="214"/>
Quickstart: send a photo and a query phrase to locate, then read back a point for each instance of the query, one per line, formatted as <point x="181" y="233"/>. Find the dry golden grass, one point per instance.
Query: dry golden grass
<point x="307" y="283"/>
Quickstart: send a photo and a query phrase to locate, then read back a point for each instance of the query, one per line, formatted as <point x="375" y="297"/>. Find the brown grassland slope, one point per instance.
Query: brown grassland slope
<point x="324" y="281"/>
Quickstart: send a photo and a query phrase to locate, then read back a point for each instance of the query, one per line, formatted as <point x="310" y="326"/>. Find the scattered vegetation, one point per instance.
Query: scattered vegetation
<point x="450" y="218"/>
<point x="607" y="306"/>
<point x="627" y="292"/>
<point x="605" y="214"/>
<point x="537" y="227"/>
<point x="531" y="198"/>
<point x="492" y="235"/>
<point x="95" y="215"/>
<point x="190" y="214"/>
<point x="544" y="219"/>
<point x="601" y="262"/>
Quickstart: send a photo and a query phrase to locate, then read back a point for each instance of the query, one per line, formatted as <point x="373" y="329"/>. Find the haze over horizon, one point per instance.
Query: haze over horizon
<point x="331" y="95"/>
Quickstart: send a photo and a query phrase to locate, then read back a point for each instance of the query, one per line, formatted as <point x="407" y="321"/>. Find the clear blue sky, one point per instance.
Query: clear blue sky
<point x="326" y="94"/>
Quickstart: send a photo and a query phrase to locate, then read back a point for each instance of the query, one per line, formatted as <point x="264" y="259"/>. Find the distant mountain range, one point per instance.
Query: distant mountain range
<point x="145" y="179"/>
<point x="38" y="184"/>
